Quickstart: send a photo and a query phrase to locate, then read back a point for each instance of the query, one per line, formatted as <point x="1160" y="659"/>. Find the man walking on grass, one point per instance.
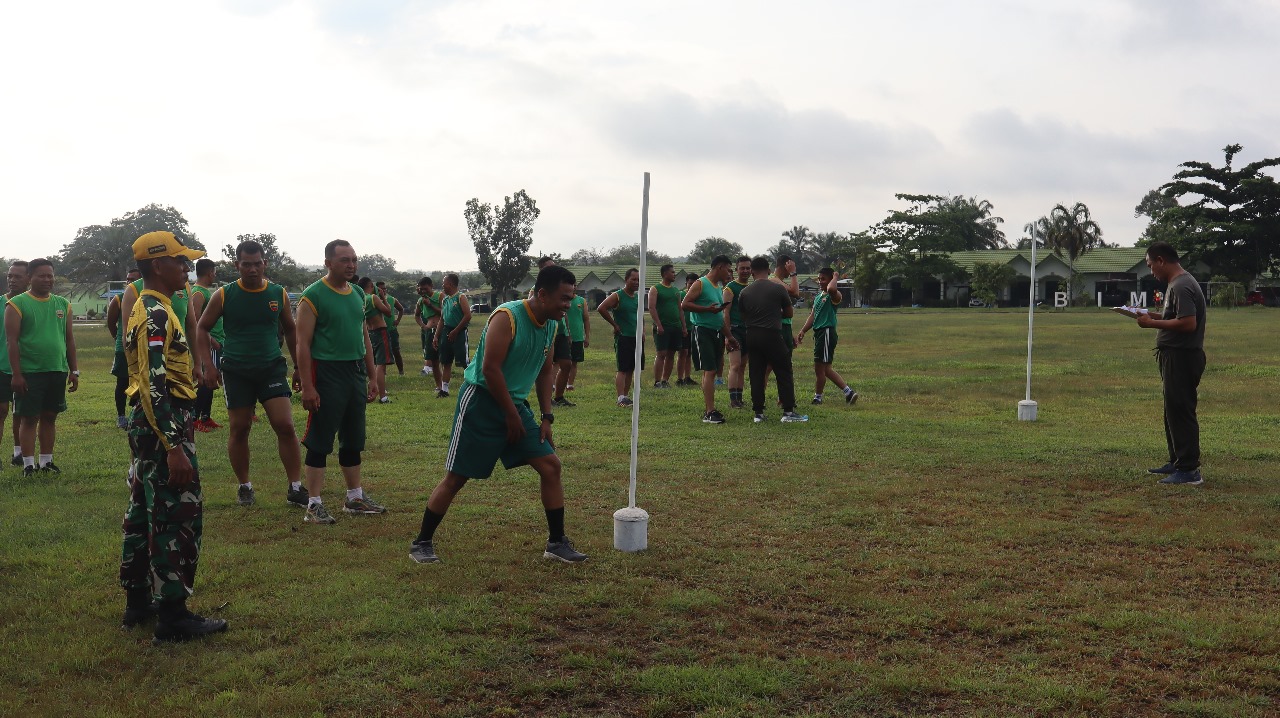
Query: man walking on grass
<point x="252" y="369"/>
<point x="1180" y="352"/>
<point x="335" y="361"/>
<point x="42" y="357"/>
<point x="18" y="280"/>
<point x="163" y="522"/>
<point x="764" y="305"/>
<point x="619" y="311"/>
<point x="493" y="419"/>
<point x="669" y="330"/>
<point x="710" y="328"/>
<point x="823" y="321"/>
<point x="451" y="340"/>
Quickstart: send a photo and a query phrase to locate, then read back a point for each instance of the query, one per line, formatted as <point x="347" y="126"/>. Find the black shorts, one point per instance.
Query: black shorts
<point x="578" y="351"/>
<point x="739" y="332"/>
<point x="670" y="339"/>
<point x="561" y="351"/>
<point x="624" y="350"/>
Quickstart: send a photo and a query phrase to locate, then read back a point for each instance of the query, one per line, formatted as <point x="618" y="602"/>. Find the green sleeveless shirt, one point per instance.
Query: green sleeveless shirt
<point x="254" y="317"/>
<point x="668" y="304"/>
<point x="42" y="338"/>
<point x="711" y="294"/>
<point x="450" y="312"/>
<point x="530" y="345"/>
<point x="735" y="313"/>
<point x="207" y="293"/>
<point x="625" y="314"/>
<point x="574" y="318"/>
<point x="339" y="333"/>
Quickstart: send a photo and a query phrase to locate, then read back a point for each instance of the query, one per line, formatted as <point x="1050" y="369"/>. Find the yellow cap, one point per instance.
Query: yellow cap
<point x="163" y="244"/>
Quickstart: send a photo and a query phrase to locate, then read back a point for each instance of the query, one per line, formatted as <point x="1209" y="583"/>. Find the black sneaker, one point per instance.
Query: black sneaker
<point x="713" y="417"/>
<point x="666" y="385"/>
<point x="625" y="401"/>
<point x="1166" y="469"/>
<point x="186" y="627"/>
<point x="851" y="397"/>
<point x="423" y="552"/>
<point x="562" y="550"/>
<point x="561" y="401"/>
<point x="736" y="404"/>
<point x="816" y="400"/>
<point x="442" y="394"/>
<point x="759" y="419"/>
<point x="29" y="472"/>
<point x="16" y="461"/>
<point x="134" y="617"/>
<point x="50" y="468"/>
<point x="244" y="495"/>
<point x="1187" y="478"/>
<point x="297" y="497"/>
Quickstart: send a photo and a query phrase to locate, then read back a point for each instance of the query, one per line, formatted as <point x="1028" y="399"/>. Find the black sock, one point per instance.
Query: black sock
<point x="555" y="524"/>
<point x="430" y="520"/>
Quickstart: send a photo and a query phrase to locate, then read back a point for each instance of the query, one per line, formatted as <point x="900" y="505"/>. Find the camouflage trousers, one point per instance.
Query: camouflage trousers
<point x="162" y="524"/>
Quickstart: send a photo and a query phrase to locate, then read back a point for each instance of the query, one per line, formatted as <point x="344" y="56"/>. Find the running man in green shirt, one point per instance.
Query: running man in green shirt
<point x="335" y="361"/>
<point x="493" y="420"/>
<point x="619" y="311"/>
<point x="823" y="321"/>
<point x="709" y="332"/>
<point x="451" y="340"/>
<point x="18" y="281"/>
<point x="251" y="366"/>
<point x="201" y="292"/>
<point x="426" y="313"/>
<point x="738" y="328"/>
<point x="42" y="350"/>
<point x="669" y="330"/>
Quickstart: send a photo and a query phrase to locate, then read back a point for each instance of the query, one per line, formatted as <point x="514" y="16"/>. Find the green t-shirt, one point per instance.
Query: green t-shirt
<point x="450" y="311"/>
<point x="688" y="316"/>
<point x="530" y="346"/>
<point x="390" y="316"/>
<point x="4" y="360"/>
<point x="254" y="317"/>
<point x="668" y="304"/>
<point x="710" y="294"/>
<point x="735" y="314"/>
<point x="625" y="314"/>
<point x="424" y="308"/>
<point x="339" y="333"/>
<point x="824" y="312"/>
<point x="42" y="338"/>
<point x="574" y="318"/>
<point x="206" y="292"/>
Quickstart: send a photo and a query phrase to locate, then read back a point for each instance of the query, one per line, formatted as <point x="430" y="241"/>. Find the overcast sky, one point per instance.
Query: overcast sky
<point x="375" y="121"/>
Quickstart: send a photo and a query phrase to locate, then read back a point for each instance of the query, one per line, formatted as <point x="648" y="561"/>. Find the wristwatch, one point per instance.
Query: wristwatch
<point x="75" y="373"/>
<point x="549" y="418"/>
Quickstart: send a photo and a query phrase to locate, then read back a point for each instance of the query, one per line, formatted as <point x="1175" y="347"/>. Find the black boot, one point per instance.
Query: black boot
<point x="138" y="609"/>
<point x="175" y="623"/>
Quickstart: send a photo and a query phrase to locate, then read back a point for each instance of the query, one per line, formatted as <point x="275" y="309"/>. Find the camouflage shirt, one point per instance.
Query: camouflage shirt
<point x="159" y="360"/>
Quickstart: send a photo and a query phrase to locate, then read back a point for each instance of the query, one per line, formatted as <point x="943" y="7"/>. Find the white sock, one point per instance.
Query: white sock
<point x="247" y="485"/>
<point x="313" y="500"/>
<point x="621" y="397"/>
<point x="29" y="461"/>
<point x="356" y="493"/>
<point x="295" y="485"/>
<point x="17" y="451"/>
<point x="848" y="390"/>
<point x="817" y="396"/>
<point x="444" y="386"/>
<point x="46" y="459"/>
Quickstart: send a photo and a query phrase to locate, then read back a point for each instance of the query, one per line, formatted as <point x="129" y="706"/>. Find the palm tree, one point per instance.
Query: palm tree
<point x="799" y="239"/>
<point x="1072" y="231"/>
<point x="985" y="231"/>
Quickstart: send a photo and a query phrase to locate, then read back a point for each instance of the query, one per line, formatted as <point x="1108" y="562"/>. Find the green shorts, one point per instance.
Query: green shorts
<point x="394" y="334"/>
<point x="247" y="386"/>
<point x="561" y="349"/>
<point x="6" y="388"/>
<point x="824" y="345"/>
<point x="429" y="352"/>
<point x="788" y="339"/>
<point x="739" y="332"/>
<point x="120" y="365"/>
<point x="708" y="346"/>
<point x="380" y="338"/>
<point x="480" y="436"/>
<point x="343" y="387"/>
<point x="670" y="340"/>
<point x="624" y="353"/>
<point x="46" y="393"/>
<point x="578" y="352"/>
<point x="455" y="351"/>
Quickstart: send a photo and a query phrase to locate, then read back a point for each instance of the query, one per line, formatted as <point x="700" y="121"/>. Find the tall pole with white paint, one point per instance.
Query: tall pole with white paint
<point x="631" y="525"/>
<point x="1027" y="408"/>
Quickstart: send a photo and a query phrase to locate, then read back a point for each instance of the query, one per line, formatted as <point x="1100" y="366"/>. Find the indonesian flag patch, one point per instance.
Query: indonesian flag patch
<point x="155" y="341"/>
<point x="273" y="306"/>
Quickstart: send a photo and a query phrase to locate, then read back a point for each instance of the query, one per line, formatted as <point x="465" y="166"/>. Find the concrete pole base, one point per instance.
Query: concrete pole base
<point x="631" y="529"/>
<point x="1027" y="410"/>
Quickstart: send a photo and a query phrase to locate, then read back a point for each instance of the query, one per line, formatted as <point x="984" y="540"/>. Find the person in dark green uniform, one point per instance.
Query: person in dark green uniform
<point x="335" y="361"/>
<point x="493" y="420"/>
<point x="619" y="312"/>
<point x="164" y="520"/>
<point x="451" y="340"/>
<point x="42" y="357"/>
<point x="393" y="325"/>
<point x="579" y="336"/>
<point x="738" y="329"/>
<point x="823" y="321"/>
<point x="669" y="330"/>
<point x="562" y="351"/>
<point x="785" y="274"/>
<point x="427" y="315"/>
<point x="18" y="280"/>
<point x="116" y="321"/>
<point x="710" y="329"/>
<point x="375" y="319"/>
<point x="252" y="368"/>
<point x="201" y="292"/>
<point x="684" y="366"/>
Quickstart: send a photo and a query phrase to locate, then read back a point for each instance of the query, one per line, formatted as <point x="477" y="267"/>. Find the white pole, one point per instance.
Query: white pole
<point x="631" y="525"/>
<point x="1027" y="408"/>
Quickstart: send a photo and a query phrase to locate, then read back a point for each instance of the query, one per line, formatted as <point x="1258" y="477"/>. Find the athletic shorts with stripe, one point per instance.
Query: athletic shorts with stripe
<point x="455" y="351"/>
<point x="429" y="352"/>
<point x="479" y="436"/>
<point x="381" y="341"/>
<point x="343" y="387"/>
<point x="824" y="345"/>
<point x="708" y="345"/>
<point x="246" y="387"/>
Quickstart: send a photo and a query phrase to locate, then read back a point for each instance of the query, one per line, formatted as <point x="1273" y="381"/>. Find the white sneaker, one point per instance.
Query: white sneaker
<point x="790" y="417"/>
<point x="385" y="399"/>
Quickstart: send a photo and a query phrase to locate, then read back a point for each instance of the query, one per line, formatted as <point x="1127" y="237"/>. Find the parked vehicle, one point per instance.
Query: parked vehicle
<point x="481" y="309"/>
<point x="977" y="303"/>
<point x="1266" y="296"/>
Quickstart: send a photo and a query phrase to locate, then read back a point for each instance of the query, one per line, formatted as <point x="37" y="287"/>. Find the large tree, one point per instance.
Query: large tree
<point x="796" y="243"/>
<point x="281" y="268"/>
<point x="1228" y="217"/>
<point x="502" y="236"/>
<point x="1071" y="231"/>
<point x="989" y="281"/>
<point x="923" y="235"/>
<point x="831" y="249"/>
<point x="707" y="249"/>
<point x="629" y="254"/>
<point x="104" y="252"/>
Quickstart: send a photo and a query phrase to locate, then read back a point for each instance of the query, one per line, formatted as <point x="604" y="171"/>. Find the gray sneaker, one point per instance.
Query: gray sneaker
<point x="423" y="552"/>
<point x="790" y="417"/>
<point x="363" y="505"/>
<point x="851" y="398"/>
<point x="759" y="419"/>
<point x="1188" y="478"/>
<point x="317" y="513"/>
<point x="244" y="495"/>
<point x="297" y="498"/>
<point x="562" y="550"/>
<point x="1166" y="469"/>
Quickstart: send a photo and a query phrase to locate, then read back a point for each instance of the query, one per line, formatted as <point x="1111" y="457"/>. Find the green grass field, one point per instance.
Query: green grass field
<point x="922" y="552"/>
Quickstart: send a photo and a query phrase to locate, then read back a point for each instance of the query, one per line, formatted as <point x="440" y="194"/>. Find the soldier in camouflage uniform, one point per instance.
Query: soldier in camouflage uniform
<point x="163" y="522"/>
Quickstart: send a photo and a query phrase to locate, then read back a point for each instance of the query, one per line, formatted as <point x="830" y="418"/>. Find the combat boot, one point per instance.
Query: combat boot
<point x="175" y="624"/>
